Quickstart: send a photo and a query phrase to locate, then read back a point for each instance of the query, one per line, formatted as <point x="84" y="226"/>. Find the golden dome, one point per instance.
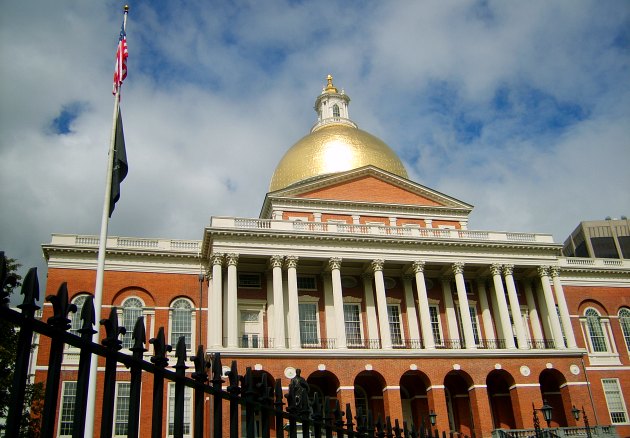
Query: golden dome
<point x="334" y="148"/>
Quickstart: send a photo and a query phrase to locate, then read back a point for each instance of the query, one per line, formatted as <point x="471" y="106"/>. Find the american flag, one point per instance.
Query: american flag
<point x="120" y="69"/>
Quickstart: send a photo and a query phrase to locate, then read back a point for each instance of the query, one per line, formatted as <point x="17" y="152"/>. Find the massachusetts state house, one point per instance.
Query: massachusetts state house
<point x="380" y="291"/>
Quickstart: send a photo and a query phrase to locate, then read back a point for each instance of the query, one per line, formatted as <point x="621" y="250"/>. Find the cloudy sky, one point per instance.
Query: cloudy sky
<point x="521" y="109"/>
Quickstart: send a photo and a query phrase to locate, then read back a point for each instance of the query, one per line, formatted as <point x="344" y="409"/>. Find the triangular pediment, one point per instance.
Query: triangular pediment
<point x="367" y="185"/>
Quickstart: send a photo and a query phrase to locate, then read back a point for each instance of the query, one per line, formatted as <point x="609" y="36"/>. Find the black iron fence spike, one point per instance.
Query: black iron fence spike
<point x="61" y="308"/>
<point x="30" y="291"/>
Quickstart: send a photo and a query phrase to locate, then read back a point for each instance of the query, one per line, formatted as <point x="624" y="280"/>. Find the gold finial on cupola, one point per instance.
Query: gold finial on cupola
<point x="330" y="88"/>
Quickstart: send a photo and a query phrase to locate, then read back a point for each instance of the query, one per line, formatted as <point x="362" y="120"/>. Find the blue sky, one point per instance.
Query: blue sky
<point x="519" y="108"/>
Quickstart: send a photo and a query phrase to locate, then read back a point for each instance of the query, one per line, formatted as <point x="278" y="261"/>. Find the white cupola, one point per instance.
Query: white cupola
<point x="332" y="107"/>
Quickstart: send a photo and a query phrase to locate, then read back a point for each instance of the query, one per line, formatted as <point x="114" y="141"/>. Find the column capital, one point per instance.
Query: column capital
<point x="291" y="261"/>
<point x="508" y="269"/>
<point x="232" y="259"/>
<point x="275" y="261"/>
<point x="334" y="263"/>
<point x="417" y="266"/>
<point x="554" y="271"/>
<point x="495" y="269"/>
<point x="216" y="259"/>
<point x="377" y="265"/>
<point x="458" y="268"/>
<point x="543" y="271"/>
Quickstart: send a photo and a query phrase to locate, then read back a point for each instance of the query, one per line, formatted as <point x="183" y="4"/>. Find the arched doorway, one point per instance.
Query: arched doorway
<point x="456" y="384"/>
<point x="325" y="384"/>
<point x="413" y="394"/>
<point x="498" y="384"/>
<point x="553" y="390"/>
<point x="368" y="394"/>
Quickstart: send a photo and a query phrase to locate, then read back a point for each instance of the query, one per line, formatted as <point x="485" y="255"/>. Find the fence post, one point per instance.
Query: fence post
<point x="217" y="381"/>
<point x="349" y="424"/>
<point x="317" y="416"/>
<point x="180" y="370"/>
<point x="264" y="400"/>
<point x="139" y="337"/>
<point x="201" y="376"/>
<point x="30" y="290"/>
<point x="60" y="321"/>
<point x="234" y="390"/>
<point x="113" y="345"/>
<point x="83" y="375"/>
<point x="338" y="414"/>
<point x="160" y="348"/>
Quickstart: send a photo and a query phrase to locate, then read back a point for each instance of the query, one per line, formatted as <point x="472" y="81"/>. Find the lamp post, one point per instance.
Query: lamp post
<point x="576" y="414"/>
<point x="432" y="417"/>
<point x="546" y="411"/>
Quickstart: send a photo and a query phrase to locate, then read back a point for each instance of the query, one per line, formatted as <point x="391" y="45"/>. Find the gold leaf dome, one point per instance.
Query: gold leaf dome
<point x="335" y="144"/>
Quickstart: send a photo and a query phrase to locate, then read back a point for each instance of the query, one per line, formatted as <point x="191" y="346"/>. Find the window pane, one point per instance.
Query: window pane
<point x="393" y="313"/>
<point x="353" y="324"/>
<point x="624" y="321"/>
<point x="308" y="323"/>
<point x="181" y="322"/>
<point x="122" y="408"/>
<point x="171" y="409"/>
<point x="595" y="331"/>
<point x="76" y="317"/>
<point x="67" y="408"/>
<point x="614" y="400"/>
<point x="435" y="324"/>
<point x="132" y="310"/>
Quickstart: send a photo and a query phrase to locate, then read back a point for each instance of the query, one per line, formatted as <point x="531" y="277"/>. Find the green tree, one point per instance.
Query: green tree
<point x="33" y="400"/>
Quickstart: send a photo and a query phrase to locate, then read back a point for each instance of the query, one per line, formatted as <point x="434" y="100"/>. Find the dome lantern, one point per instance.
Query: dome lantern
<point x="335" y="144"/>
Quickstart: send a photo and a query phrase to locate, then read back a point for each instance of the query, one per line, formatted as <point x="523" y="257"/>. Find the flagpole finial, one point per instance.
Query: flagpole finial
<point x="126" y="8"/>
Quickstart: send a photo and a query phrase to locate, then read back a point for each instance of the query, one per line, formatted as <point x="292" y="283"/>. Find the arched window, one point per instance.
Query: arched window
<point x="336" y="110"/>
<point x="132" y="310"/>
<point x="181" y="321"/>
<point x="360" y="401"/>
<point x="595" y="330"/>
<point x="75" y="322"/>
<point x="624" y="321"/>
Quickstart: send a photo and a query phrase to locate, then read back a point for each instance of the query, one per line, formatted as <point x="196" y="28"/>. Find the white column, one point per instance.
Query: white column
<point x="335" y="272"/>
<point x="486" y="315"/>
<point x="504" y="315"/>
<point x="556" y="330"/>
<point x="423" y="306"/>
<point x="271" y="330"/>
<point x="232" y="301"/>
<point x="451" y="317"/>
<point x="294" y="312"/>
<point x="216" y="336"/>
<point x="278" y="301"/>
<point x="412" y="316"/>
<point x="329" y="308"/>
<point x="381" y="305"/>
<point x="564" y="309"/>
<point x="534" y="318"/>
<point x="210" y="310"/>
<point x="515" y="307"/>
<point x="370" y="308"/>
<point x="542" y="310"/>
<point x="464" y="308"/>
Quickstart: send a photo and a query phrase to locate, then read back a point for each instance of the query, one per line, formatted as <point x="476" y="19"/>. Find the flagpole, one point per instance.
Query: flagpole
<point x="100" y="268"/>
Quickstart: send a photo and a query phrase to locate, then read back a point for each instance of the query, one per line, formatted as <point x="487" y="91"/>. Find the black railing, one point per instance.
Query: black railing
<point x="491" y="344"/>
<point x="449" y="344"/>
<point x="415" y="344"/>
<point x="252" y="395"/>
<point x="541" y="344"/>
<point x="323" y="343"/>
<point x="368" y="344"/>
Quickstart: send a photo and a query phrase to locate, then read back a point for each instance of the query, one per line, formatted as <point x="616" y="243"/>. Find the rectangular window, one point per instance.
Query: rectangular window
<point x="473" y="321"/>
<point x="306" y="282"/>
<point x="435" y="324"/>
<point x="171" y="410"/>
<point x="352" y="320"/>
<point x="308" y="324"/>
<point x="122" y="408"/>
<point x="614" y="400"/>
<point x="66" y="417"/>
<point x="249" y="281"/>
<point x="393" y="314"/>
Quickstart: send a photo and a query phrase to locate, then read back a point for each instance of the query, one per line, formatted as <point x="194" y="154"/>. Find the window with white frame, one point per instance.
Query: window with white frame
<point x="436" y="327"/>
<point x="360" y="401"/>
<point x="309" y="326"/>
<point x="75" y="322"/>
<point x="122" y="408"/>
<point x="131" y="311"/>
<point x="624" y="321"/>
<point x="306" y="282"/>
<point x="615" y="401"/>
<point x="395" y="328"/>
<point x="596" y="335"/>
<point x="249" y="280"/>
<point x="352" y="321"/>
<point x="66" y="415"/>
<point x="473" y="320"/>
<point x="336" y="112"/>
<point x="250" y="318"/>
<point x="181" y="322"/>
<point x="171" y="410"/>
